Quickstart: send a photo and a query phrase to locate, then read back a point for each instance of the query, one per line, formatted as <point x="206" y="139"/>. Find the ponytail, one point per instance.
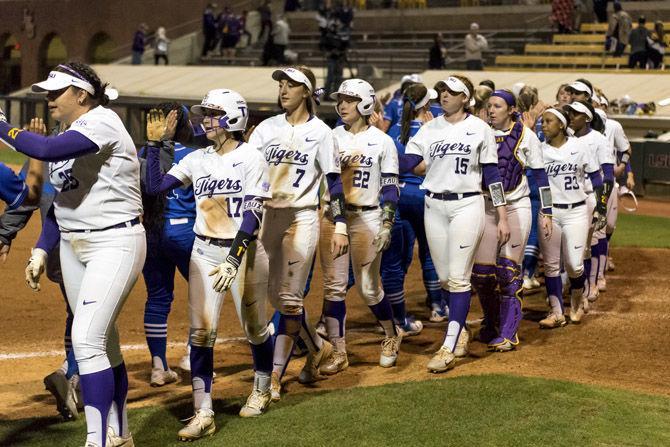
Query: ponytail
<point x="413" y="95"/>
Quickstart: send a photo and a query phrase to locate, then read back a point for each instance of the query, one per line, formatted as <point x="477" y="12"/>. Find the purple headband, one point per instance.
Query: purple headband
<point x="506" y="96"/>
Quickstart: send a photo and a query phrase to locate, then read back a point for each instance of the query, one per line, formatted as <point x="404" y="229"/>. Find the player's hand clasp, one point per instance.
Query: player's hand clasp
<point x="224" y="275"/>
<point x="35" y="268"/>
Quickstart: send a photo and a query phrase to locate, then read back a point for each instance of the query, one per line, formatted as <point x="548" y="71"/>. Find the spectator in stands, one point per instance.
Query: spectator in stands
<point x="139" y="43"/>
<point x="266" y="18"/>
<point x="600" y="10"/>
<point x="489" y="83"/>
<point x="161" y="46"/>
<point x="335" y="39"/>
<point x="562" y="14"/>
<point x="618" y="30"/>
<point x="229" y="31"/>
<point x="638" y="44"/>
<point x="580" y="10"/>
<point x="475" y="43"/>
<point x="208" y="29"/>
<point x="280" y="34"/>
<point x="243" y="27"/>
<point x="656" y="46"/>
<point x="437" y="54"/>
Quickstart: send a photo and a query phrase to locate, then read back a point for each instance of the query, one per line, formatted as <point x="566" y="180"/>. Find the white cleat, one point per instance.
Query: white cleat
<point x="530" y="283"/>
<point x="411" y="327"/>
<point x="117" y="441"/>
<point x="185" y="363"/>
<point x="553" y="321"/>
<point x="461" y="349"/>
<point x="310" y="372"/>
<point x="602" y="284"/>
<point x="438" y="316"/>
<point x="160" y="377"/>
<point x="337" y="362"/>
<point x="200" y="425"/>
<point x="390" y="347"/>
<point x="442" y="361"/>
<point x="257" y="403"/>
<point x="610" y="264"/>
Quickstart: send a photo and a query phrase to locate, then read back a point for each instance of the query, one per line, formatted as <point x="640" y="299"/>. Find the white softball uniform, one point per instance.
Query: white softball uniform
<point x="600" y="146"/>
<point x="100" y="264"/>
<point x="528" y="154"/>
<point x="619" y="141"/>
<point x="567" y="168"/>
<point x="364" y="157"/>
<point x="454" y="154"/>
<point x="220" y="183"/>
<point x="297" y="156"/>
<point x="102" y="189"/>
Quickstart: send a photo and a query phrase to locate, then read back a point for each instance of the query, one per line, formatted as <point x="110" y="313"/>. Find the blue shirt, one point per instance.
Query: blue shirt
<point x="436" y="109"/>
<point x="393" y="110"/>
<point x="394" y="132"/>
<point x="12" y="189"/>
<point x="180" y="201"/>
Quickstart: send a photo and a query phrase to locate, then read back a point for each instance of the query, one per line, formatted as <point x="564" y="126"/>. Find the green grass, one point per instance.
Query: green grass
<point x="642" y="231"/>
<point x="9" y="156"/>
<point x="491" y="410"/>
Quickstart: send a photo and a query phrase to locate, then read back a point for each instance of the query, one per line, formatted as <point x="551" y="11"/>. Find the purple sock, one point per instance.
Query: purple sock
<point x="459" y="306"/>
<point x="262" y="355"/>
<point x="202" y="365"/>
<point x="98" y="393"/>
<point x="120" y="396"/>
<point x="554" y="286"/>
<point x="578" y="283"/>
<point x="337" y="311"/>
<point x="384" y="314"/>
<point x="399" y="311"/>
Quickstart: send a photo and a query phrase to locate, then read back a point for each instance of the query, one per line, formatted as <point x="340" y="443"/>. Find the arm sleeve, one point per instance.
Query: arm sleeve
<point x="608" y="173"/>
<point x="157" y="182"/>
<point x="409" y="162"/>
<point x="50" y="235"/>
<point x="491" y="174"/>
<point x="596" y="179"/>
<point x="68" y="145"/>
<point x="252" y="215"/>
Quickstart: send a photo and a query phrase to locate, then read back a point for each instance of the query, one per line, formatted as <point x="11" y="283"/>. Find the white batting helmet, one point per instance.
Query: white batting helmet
<point x="358" y="88"/>
<point x="232" y="104"/>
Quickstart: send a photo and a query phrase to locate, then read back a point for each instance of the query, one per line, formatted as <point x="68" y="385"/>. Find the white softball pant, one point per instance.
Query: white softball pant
<point x="290" y="237"/>
<point x="454" y="229"/>
<point x="612" y="212"/>
<point x="249" y="291"/>
<point x="590" y="206"/>
<point x="569" y="236"/>
<point x="519" y="221"/>
<point x="362" y="227"/>
<point x="99" y="270"/>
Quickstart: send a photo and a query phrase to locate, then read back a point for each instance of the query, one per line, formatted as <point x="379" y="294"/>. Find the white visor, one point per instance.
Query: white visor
<point x="558" y="115"/>
<point x="294" y="75"/>
<point x="456" y="85"/>
<point x="58" y="80"/>
<point x="602" y="114"/>
<point x="581" y="108"/>
<point x="604" y="101"/>
<point x="431" y="94"/>
<point x="581" y="87"/>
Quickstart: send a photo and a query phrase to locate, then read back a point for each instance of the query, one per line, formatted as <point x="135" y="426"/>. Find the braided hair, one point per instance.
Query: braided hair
<point x="86" y="73"/>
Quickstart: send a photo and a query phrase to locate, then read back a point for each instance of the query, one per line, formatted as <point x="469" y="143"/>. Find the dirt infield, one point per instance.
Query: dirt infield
<point x="620" y="343"/>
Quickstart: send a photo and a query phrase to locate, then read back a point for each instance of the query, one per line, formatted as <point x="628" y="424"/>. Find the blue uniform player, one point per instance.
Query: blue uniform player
<point x="393" y="109"/>
<point x="409" y="221"/>
<point x="169" y="224"/>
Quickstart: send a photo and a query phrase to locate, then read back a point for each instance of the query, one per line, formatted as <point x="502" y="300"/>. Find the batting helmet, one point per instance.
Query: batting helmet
<point x="232" y="105"/>
<point x="361" y="89"/>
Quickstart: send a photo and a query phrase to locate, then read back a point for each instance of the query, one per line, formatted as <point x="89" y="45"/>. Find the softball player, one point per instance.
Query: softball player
<point x="587" y="126"/>
<point x="567" y="162"/>
<point x="168" y="220"/>
<point x="230" y="182"/>
<point x="299" y="149"/>
<point x="458" y="149"/>
<point x="622" y="152"/>
<point x="95" y="170"/>
<point x="369" y="164"/>
<point x="409" y="223"/>
<point x="497" y="273"/>
<point x="393" y="109"/>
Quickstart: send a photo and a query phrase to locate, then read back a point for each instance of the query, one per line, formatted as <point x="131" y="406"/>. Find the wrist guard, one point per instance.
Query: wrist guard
<point x="337" y="207"/>
<point x="239" y="248"/>
<point x="497" y="193"/>
<point x="388" y="214"/>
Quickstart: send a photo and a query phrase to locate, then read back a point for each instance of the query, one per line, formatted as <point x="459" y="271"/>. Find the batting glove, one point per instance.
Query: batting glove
<point x="224" y="275"/>
<point x="35" y="268"/>
<point x="599" y="221"/>
<point x="383" y="239"/>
